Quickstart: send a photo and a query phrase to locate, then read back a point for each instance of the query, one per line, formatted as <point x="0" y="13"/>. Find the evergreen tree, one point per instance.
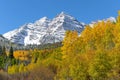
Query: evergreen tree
<point x="11" y="53"/>
<point x="1" y="62"/>
<point x="1" y="52"/>
<point x="4" y="51"/>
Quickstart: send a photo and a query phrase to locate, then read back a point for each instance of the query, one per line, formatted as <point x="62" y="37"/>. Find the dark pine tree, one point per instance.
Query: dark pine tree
<point x="11" y="53"/>
<point x="1" y="51"/>
<point x="4" y="51"/>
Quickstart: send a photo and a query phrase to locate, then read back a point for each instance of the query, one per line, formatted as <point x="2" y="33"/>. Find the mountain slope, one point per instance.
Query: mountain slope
<point x="3" y="41"/>
<point x="6" y="43"/>
<point x="58" y="26"/>
<point x="29" y="33"/>
<point x="44" y="30"/>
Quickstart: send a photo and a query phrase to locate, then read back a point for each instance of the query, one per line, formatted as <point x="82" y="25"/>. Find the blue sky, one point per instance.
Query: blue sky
<point x="14" y="13"/>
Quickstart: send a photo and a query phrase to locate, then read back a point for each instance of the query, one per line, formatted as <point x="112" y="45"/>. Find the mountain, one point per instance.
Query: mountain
<point x="44" y="30"/>
<point x="58" y="26"/>
<point x="112" y="19"/>
<point x="4" y="41"/>
<point x="29" y="33"/>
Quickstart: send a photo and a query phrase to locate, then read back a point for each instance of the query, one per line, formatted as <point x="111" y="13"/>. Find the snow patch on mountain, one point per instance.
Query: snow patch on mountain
<point x="112" y="19"/>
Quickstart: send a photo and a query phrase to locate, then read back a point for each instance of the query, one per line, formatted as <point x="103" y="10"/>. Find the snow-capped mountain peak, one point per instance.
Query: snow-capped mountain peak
<point x="58" y="26"/>
<point x="45" y="30"/>
<point x="64" y="16"/>
<point x="42" y="20"/>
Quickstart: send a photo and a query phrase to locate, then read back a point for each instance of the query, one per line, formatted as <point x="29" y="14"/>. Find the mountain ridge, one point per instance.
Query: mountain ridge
<point x="46" y="30"/>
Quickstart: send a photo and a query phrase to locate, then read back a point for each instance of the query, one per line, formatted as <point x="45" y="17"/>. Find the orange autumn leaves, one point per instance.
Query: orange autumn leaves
<point x="22" y="54"/>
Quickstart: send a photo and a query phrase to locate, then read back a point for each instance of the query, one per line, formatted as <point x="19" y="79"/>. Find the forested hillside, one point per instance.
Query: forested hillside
<point x="92" y="55"/>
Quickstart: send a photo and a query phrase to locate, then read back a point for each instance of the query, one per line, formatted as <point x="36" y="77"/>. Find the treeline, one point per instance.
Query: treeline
<point x="6" y="58"/>
<point x="43" y="46"/>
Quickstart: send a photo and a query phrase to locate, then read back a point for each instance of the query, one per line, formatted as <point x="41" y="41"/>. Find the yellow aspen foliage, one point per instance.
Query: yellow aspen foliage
<point x="118" y="18"/>
<point x="13" y="69"/>
<point x="86" y="34"/>
<point x="68" y="43"/>
<point x="115" y="62"/>
<point x="100" y="66"/>
<point x="98" y="48"/>
<point x="22" y="68"/>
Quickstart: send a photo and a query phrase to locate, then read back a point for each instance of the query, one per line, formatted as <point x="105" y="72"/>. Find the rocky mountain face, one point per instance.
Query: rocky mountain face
<point x="4" y="41"/>
<point x="44" y="31"/>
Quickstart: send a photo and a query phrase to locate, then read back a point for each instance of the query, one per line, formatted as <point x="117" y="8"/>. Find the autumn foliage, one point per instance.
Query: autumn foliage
<point x="94" y="54"/>
<point x="22" y="54"/>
